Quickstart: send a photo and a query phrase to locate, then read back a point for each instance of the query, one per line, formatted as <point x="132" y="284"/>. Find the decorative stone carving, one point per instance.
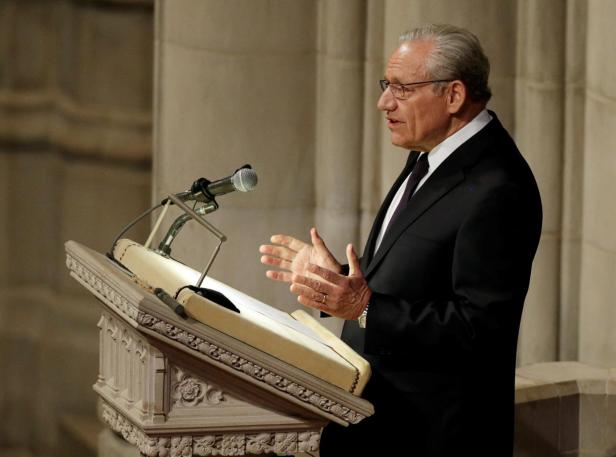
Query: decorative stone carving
<point x="152" y="447"/>
<point x="127" y="341"/>
<point x="113" y="330"/>
<point x="141" y="350"/>
<point x="121" y="305"/>
<point x="187" y="390"/>
<point x="245" y="366"/>
<point x="101" y="289"/>
<point x="308" y="441"/>
<point x="181" y="446"/>
<point x="166" y="409"/>
<point x="206" y="445"/>
<point x="209" y="445"/>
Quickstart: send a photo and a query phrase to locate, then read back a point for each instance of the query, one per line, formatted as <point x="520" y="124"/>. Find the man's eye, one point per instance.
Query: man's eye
<point x="402" y="91"/>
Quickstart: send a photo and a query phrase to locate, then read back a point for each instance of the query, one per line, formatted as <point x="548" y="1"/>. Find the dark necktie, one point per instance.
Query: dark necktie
<point x="419" y="171"/>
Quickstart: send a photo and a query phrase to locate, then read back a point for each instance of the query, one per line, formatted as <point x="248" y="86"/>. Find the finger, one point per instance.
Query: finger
<point x="354" y="269"/>
<point x="319" y="286"/>
<point x="283" y="276"/>
<point x="277" y="262"/>
<point x="316" y="239"/>
<point x="286" y="240"/>
<point x="326" y="274"/>
<point x="306" y="301"/>
<point x="307" y="292"/>
<point x="278" y="251"/>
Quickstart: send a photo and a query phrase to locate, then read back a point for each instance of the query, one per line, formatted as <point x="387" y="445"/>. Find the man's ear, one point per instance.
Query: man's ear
<point x="456" y="96"/>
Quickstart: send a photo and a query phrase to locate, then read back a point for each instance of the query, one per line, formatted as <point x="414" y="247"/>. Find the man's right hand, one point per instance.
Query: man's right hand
<point x="293" y="256"/>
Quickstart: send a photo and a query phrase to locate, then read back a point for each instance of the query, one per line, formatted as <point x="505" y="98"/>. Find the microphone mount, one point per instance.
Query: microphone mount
<point x="192" y="214"/>
<point x="200" y="187"/>
<point x="204" y="191"/>
<point x="164" y="248"/>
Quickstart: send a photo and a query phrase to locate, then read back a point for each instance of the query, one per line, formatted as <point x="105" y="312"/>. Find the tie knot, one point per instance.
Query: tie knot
<point x="422" y="165"/>
<point x="420" y="170"/>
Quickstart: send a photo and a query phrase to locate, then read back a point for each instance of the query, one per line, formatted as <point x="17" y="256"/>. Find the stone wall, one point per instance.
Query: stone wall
<point x="291" y="87"/>
<point x="75" y="153"/>
<point x="235" y="84"/>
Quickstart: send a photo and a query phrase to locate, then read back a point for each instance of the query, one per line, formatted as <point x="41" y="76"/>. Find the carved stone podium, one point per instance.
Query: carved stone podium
<point x="178" y="387"/>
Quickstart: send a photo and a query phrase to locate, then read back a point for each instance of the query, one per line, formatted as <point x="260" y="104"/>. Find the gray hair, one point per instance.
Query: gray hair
<point x="457" y="55"/>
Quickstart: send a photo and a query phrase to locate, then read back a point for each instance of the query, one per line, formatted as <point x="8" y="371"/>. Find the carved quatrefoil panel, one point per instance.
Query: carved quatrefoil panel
<point x="187" y="390"/>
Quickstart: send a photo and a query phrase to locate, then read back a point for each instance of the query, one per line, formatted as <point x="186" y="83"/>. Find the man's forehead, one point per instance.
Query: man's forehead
<point x="409" y="59"/>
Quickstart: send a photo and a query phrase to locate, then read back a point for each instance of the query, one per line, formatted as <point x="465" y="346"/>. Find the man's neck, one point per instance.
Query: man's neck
<point x="464" y="116"/>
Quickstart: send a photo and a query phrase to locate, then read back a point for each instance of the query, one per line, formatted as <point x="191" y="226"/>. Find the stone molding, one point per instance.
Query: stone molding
<point x="113" y="298"/>
<point x="542" y="381"/>
<point x="247" y="367"/>
<point x="123" y="306"/>
<point x="50" y="117"/>
<point x="129" y="3"/>
<point x="210" y="444"/>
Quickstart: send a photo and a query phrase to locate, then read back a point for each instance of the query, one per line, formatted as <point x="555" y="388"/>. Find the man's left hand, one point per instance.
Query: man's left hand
<point x="338" y="295"/>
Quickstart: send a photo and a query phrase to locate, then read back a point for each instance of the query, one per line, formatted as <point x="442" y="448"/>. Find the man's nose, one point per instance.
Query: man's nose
<point x="386" y="102"/>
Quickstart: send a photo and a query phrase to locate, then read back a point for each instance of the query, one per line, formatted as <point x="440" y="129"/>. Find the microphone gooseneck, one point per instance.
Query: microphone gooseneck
<point x="205" y="191"/>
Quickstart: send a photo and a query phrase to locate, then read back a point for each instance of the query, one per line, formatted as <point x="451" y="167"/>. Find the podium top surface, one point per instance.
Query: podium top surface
<point x="257" y="324"/>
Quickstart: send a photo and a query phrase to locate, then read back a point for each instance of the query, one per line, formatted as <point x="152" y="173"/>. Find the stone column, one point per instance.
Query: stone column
<point x="339" y="122"/>
<point x="235" y="84"/>
<point x="573" y="170"/>
<point x="340" y="82"/>
<point x="374" y="68"/>
<point x="539" y="127"/>
<point x="597" y="291"/>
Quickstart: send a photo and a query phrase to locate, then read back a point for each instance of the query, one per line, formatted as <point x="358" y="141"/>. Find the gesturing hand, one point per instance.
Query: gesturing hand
<point x="294" y="256"/>
<point x="336" y="294"/>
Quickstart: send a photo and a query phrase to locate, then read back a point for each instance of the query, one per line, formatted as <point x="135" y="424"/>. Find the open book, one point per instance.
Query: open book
<point x="295" y="338"/>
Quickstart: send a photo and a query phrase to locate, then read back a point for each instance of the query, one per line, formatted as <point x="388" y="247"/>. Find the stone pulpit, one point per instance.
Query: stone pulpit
<point x="185" y="373"/>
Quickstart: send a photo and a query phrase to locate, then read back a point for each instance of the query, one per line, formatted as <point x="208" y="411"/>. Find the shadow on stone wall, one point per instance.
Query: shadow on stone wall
<point x="75" y="159"/>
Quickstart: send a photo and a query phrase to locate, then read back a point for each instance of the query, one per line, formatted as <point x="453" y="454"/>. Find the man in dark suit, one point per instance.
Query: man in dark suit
<point x="436" y="300"/>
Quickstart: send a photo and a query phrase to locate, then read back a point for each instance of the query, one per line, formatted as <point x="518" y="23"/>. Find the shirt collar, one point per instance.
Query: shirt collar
<point x="444" y="149"/>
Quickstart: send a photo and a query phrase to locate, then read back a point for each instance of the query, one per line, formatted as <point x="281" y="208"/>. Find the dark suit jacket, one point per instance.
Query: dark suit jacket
<point x="448" y="282"/>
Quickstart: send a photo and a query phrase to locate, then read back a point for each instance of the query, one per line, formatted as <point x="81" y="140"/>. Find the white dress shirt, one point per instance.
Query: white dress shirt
<point x="436" y="157"/>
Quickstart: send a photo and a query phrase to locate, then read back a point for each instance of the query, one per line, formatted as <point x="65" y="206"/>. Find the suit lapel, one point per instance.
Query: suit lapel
<point x="431" y="191"/>
<point x="376" y="226"/>
<point x="447" y="176"/>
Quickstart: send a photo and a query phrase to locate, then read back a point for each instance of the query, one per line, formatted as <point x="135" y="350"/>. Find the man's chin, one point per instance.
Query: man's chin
<point x="400" y="142"/>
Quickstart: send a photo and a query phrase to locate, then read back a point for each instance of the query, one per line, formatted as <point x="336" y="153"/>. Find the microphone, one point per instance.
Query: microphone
<point x="203" y="190"/>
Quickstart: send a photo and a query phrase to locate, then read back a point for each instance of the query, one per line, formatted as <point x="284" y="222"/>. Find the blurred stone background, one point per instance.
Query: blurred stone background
<point x="106" y="106"/>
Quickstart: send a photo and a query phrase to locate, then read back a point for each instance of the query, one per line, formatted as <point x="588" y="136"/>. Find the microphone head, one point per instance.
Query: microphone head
<point x="245" y="179"/>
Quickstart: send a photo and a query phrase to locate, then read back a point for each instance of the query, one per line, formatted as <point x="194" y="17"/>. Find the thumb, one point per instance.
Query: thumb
<point x="316" y="239"/>
<point x="354" y="269"/>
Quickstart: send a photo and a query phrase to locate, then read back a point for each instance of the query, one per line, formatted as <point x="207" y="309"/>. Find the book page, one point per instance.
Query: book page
<point x="253" y="307"/>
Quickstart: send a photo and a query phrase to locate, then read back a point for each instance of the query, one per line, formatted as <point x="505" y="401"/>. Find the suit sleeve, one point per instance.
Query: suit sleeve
<point x="492" y="256"/>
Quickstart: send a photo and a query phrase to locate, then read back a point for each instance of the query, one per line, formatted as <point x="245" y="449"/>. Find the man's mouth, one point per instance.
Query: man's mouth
<point x="392" y="122"/>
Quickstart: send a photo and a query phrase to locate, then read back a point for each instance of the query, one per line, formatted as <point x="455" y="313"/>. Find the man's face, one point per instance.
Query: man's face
<point x="421" y="121"/>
